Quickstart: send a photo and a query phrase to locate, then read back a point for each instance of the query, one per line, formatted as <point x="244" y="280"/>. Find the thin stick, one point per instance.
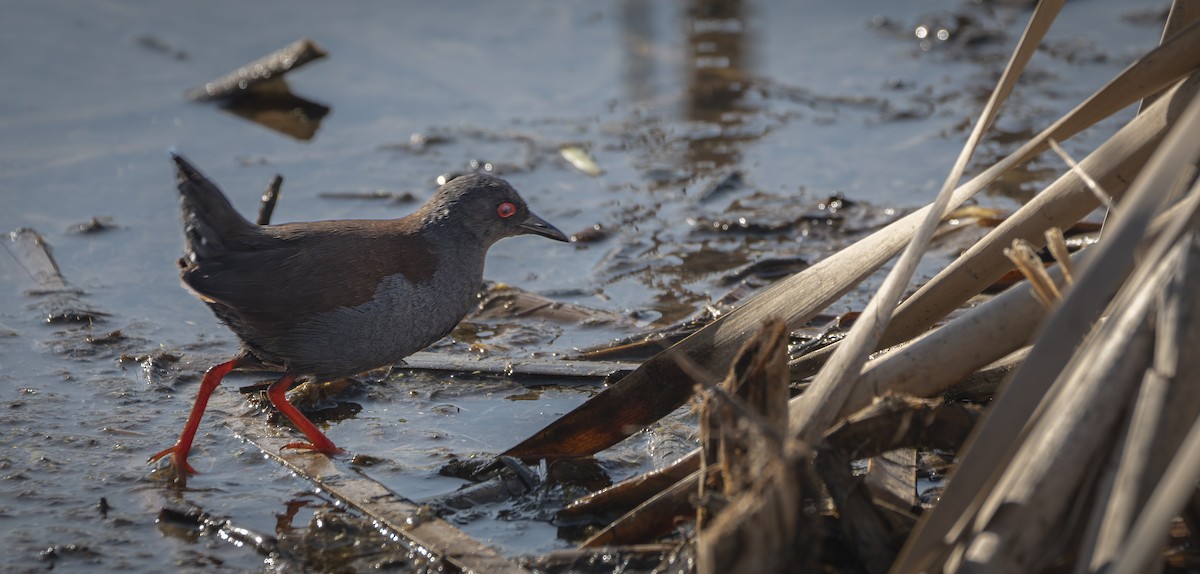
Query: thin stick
<point x="269" y="197"/>
<point x="1095" y="188"/>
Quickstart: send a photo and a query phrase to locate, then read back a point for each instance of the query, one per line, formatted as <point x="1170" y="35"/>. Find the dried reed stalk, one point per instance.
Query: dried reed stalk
<point x="1025" y="399"/>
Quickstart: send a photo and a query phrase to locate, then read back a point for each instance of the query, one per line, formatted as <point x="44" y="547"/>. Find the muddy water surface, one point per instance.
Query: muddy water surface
<point x="720" y="131"/>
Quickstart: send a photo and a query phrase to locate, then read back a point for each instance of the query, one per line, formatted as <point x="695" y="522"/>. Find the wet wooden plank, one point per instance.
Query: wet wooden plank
<point x="551" y="368"/>
<point x="29" y="267"/>
<point x="33" y="264"/>
<point x="415" y="523"/>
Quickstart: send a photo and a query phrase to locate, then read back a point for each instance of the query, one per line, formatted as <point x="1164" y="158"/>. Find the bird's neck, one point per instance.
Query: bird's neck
<point x="447" y="231"/>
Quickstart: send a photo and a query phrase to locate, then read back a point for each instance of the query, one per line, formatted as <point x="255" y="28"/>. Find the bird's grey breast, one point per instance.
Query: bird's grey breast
<point x="402" y="317"/>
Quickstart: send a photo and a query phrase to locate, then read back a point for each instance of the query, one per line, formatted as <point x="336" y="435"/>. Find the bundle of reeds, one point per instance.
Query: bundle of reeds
<point x="1090" y="450"/>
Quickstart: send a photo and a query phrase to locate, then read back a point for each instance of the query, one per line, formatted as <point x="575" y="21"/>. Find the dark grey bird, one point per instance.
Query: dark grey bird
<point x="331" y="299"/>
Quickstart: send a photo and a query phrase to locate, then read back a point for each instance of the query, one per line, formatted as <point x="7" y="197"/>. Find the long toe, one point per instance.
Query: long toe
<point x="154" y="458"/>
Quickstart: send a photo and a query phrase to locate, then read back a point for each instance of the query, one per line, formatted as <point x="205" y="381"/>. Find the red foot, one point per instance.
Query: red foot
<point x="317" y="441"/>
<point x="179" y="452"/>
<point x="178" y="459"/>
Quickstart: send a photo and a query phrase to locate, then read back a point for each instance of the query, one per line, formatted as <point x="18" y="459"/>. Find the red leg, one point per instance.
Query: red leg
<point x="179" y="452"/>
<point x="317" y="441"/>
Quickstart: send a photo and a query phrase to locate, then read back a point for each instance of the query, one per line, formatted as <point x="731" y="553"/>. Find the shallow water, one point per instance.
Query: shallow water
<point x="803" y="100"/>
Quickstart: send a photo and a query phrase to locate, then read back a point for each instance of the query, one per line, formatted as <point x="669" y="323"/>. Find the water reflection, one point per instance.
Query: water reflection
<point x="716" y="71"/>
<point x="699" y="150"/>
<point x="719" y="73"/>
<point x="637" y="24"/>
<point x="284" y="112"/>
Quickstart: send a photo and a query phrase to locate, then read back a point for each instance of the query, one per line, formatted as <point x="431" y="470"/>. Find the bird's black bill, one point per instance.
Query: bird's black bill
<point x="538" y="226"/>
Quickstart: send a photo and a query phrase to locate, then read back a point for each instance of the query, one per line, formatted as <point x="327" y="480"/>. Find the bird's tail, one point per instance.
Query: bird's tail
<point x="211" y="226"/>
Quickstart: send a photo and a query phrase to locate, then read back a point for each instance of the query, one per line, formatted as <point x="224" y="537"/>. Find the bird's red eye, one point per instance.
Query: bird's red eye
<point x="506" y="209"/>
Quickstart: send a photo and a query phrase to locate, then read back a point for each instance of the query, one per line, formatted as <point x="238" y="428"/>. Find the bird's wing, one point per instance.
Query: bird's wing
<point x="297" y="270"/>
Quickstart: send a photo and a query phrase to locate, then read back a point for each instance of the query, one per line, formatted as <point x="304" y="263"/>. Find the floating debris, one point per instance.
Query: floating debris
<point x="194" y="521"/>
<point x="109" y="338"/>
<point x="500" y="301"/>
<point x="766" y="269"/>
<point x="723" y="185"/>
<point x="418" y="143"/>
<point x="93" y="225"/>
<point x="263" y="75"/>
<point x="509" y="481"/>
<point x="580" y="160"/>
<point x="156" y="44"/>
<point x="594" y="234"/>
<point x="744" y="225"/>
<point x="53" y="553"/>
